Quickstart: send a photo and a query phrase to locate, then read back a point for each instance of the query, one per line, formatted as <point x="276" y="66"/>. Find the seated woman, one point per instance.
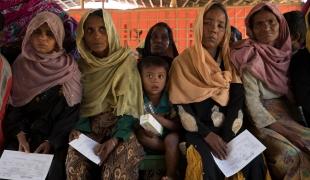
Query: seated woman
<point x="46" y="93"/>
<point x="112" y="101"/>
<point x="300" y="76"/>
<point x="209" y="95"/>
<point x="263" y="61"/>
<point x="159" y="42"/>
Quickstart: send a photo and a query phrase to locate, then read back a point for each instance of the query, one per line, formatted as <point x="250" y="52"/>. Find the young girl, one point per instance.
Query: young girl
<point x="153" y="71"/>
<point x="46" y="94"/>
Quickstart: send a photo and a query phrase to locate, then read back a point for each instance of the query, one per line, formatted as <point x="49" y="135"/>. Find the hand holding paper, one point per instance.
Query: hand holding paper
<point x="241" y="151"/>
<point x="86" y="146"/>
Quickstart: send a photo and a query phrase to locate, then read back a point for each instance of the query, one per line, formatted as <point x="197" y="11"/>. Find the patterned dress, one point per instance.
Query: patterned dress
<point x="285" y="160"/>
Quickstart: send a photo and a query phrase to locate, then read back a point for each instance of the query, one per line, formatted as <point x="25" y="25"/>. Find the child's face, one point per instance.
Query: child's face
<point x="43" y="40"/>
<point x="153" y="79"/>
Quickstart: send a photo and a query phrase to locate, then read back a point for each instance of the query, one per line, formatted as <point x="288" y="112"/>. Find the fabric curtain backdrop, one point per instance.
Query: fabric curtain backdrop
<point x="18" y="14"/>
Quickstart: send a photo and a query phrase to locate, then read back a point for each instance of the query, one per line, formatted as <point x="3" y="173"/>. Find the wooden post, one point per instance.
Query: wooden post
<point x="82" y="4"/>
<point x="173" y="3"/>
<point x="102" y="3"/>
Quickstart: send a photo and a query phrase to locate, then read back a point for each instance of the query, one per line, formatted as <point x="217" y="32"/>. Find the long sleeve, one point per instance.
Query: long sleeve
<point x="259" y="114"/>
<point x="14" y="122"/>
<point x="300" y="78"/>
<point x="235" y="104"/>
<point x="124" y="127"/>
<point x="203" y="129"/>
<point x="65" y="119"/>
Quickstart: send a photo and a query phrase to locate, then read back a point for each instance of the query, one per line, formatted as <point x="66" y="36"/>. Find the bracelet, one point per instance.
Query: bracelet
<point x="114" y="143"/>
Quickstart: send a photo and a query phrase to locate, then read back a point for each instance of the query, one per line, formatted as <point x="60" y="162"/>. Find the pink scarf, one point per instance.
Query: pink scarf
<point x="33" y="73"/>
<point x="267" y="63"/>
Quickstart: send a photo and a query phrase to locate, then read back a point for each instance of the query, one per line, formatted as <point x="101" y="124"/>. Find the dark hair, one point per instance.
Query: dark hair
<point x="157" y="61"/>
<point x="265" y="8"/>
<point x="1" y="21"/>
<point x="146" y="51"/>
<point x="296" y="24"/>
<point x="235" y="34"/>
<point x="221" y="7"/>
<point x="97" y="12"/>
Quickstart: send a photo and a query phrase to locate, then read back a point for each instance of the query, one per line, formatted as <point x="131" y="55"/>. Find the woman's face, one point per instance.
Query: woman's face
<point x="214" y="27"/>
<point x="265" y="27"/>
<point x="95" y="36"/>
<point x="159" y="41"/>
<point x="43" y="40"/>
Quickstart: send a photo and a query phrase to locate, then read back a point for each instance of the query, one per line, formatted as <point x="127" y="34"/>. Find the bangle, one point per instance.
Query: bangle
<point x="114" y="143"/>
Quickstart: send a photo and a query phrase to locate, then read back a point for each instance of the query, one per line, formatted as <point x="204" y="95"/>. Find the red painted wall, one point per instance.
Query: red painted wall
<point x="133" y="25"/>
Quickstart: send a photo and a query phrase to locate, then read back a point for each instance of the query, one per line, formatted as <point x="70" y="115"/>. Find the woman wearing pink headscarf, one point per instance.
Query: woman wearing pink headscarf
<point x="263" y="62"/>
<point x="46" y="94"/>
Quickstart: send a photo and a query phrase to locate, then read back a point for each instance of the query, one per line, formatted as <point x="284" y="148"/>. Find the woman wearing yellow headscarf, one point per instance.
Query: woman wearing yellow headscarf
<point x="209" y="95"/>
<point x="112" y="101"/>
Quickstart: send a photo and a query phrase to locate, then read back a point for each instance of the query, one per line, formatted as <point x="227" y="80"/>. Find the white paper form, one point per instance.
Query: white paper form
<point x="24" y="166"/>
<point x="86" y="146"/>
<point x="241" y="151"/>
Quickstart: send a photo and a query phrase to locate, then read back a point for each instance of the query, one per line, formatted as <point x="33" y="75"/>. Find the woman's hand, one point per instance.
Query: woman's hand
<point x="44" y="148"/>
<point x="23" y="143"/>
<point x="74" y="134"/>
<point x="103" y="150"/>
<point x="217" y="144"/>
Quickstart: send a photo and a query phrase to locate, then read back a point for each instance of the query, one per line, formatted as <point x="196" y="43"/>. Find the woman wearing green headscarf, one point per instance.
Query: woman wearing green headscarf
<point x="111" y="103"/>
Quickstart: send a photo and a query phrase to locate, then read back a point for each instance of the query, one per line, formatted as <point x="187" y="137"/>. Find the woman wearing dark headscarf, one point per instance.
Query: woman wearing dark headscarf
<point x="111" y="104"/>
<point x="159" y="42"/>
<point x="263" y="62"/>
<point x="46" y="93"/>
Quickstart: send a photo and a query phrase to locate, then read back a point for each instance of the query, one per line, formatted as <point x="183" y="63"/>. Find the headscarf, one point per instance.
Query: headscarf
<point x="195" y="75"/>
<point x="267" y="63"/>
<point x="146" y="51"/>
<point x="18" y="14"/>
<point x="308" y="30"/>
<point x="112" y="81"/>
<point x="33" y="72"/>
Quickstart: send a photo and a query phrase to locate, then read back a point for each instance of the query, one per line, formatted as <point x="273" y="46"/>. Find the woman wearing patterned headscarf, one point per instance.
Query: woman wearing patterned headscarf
<point x="263" y="62"/>
<point x="111" y="104"/>
<point x="208" y="92"/>
<point x="46" y="94"/>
